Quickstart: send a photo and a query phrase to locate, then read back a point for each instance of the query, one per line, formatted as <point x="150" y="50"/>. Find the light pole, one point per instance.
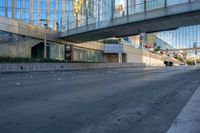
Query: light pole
<point x="45" y="41"/>
<point x="45" y="36"/>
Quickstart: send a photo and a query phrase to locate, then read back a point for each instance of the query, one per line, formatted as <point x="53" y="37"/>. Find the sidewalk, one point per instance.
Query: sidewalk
<point x="188" y="120"/>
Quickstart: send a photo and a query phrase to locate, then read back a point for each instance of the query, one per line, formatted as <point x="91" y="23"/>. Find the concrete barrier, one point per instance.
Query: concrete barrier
<point x="25" y="67"/>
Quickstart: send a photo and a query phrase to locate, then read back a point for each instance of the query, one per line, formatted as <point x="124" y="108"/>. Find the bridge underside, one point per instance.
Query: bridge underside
<point x="161" y="19"/>
<point x="153" y="25"/>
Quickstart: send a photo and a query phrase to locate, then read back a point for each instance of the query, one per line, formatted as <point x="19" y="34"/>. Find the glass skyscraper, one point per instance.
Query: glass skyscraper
<point x="38" y="12"/>
<point x="69" y="14"/>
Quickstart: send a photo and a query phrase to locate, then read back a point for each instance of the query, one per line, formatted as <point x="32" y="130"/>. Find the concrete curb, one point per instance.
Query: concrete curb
<point x="188" y="120"/>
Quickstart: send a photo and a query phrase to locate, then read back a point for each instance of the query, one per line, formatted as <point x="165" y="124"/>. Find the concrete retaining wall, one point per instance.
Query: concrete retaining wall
<point x="24" y="67"/>
<point x="21" y="28"/>
<point x="20" y="48"/>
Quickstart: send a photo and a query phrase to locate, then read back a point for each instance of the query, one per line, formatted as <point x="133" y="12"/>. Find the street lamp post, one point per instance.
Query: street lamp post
<point x="45" y="36"/>
<point x="45" y="41"/>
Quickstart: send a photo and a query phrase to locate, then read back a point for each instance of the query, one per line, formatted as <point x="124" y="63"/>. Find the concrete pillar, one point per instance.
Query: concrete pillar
<point x="55" y="15"/>
<point x="47" y="11"/>
<point x="13" y="9"/>
<point x="119" y="57"/>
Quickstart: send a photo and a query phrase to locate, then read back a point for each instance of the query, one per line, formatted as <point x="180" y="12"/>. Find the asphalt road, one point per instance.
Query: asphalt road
<point x="122" y="100"/>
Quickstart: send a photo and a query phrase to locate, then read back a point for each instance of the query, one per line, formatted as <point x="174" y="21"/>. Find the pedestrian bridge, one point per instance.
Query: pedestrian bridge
<point x="150" y="16"/>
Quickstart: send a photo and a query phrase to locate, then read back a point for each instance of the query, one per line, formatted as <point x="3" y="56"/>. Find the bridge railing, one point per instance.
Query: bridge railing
<point x="101" y="19"/>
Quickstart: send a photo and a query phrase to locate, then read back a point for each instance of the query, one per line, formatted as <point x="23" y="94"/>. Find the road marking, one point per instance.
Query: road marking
<point x="188" y="120"/>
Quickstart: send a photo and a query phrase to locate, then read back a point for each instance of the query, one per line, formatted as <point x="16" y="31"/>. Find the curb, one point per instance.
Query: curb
<point x="188" y="120"/>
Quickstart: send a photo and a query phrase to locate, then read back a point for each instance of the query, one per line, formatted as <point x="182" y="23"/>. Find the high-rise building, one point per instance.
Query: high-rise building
<point x="53" y="12"/>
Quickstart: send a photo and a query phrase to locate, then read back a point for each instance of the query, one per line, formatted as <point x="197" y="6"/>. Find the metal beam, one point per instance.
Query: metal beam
<point x="13" y="9"/>
<point x="31" y="11"/>
<point x="6" y="8"/>
<point x="47" y="11"/>
<point x="38" y="12"/>
<point x="63" y="19"/>
<point x="55" y="15"/>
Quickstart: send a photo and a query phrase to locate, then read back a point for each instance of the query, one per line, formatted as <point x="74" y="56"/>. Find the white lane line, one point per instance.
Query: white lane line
<point x="188" y="120"/>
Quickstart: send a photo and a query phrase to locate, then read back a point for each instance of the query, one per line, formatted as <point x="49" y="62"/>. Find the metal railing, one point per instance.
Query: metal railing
<point x="114" y="13"/>
<point x="71" y="20"/>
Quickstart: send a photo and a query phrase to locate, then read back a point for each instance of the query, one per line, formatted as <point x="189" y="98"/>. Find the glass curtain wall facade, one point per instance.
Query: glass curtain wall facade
<point x="184" y="37"/>
<point x="70" y="14"/>
<point x="38" y="12"/>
